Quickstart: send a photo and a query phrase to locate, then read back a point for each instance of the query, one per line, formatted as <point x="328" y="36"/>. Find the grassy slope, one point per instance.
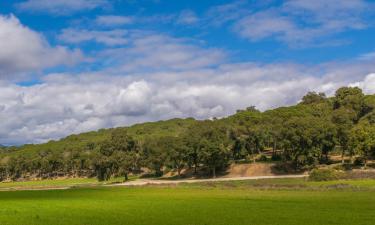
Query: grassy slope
<point x="187" y="205"/>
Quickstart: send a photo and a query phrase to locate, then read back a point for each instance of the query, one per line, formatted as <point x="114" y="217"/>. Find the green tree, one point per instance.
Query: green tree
<point x="313" y="97"/>
<point x="115" y="156"/>
<point x="155" y="154"/>
<point x="214" y="146"/>
<point x="352" y="99"/>
<point x="362" y="140"/>
<point x="342" y="118"/>
<point x="177" y="153"/>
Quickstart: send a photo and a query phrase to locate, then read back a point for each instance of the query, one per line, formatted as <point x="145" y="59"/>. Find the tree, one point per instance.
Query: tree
<point x="300" y="140"/>
<point x="155" y="155"/>
<point x="255" y="140"/>
<point x="177" y="153"/>
<point x="214" y="147"/>
<point x="352" y="99"/>
<point x="342" y="118"/>
<point x="313" y="97"/>
<point x="362" y="140"/>
<point x="116" y="155"/>
<point x="326" y="139"/>
<point x="124" y="162"/>
<point x="192" y="139"/>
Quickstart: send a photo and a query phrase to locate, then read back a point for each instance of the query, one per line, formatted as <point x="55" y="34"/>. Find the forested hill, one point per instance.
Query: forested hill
<point x="91" y="140"/>
<point x="302" y="135"/>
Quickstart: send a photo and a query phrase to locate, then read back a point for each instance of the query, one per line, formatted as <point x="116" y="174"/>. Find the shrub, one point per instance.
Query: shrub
<point x="343" y="167"/>
<point x="359" y="161"/>
<point x="263" y="158"/>
<point x="324" y="174"/>
<point x="276" y="157"/>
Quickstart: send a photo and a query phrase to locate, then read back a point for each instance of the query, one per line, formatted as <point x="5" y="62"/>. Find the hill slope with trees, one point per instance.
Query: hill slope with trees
<point x="302" y="136"/>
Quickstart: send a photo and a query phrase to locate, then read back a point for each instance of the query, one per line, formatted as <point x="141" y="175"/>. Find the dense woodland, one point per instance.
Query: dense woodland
<point x="301" y="136"/>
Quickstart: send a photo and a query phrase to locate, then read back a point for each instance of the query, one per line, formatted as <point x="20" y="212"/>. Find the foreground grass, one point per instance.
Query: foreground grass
<point x="189" y="205"/>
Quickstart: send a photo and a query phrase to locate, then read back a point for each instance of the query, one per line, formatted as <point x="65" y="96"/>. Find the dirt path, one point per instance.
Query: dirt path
<point x="142" y="182"/>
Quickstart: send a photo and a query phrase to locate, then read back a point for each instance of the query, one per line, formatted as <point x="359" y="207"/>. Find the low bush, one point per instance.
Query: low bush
<point x="343" y="167"/>
<point x="359" y="161"/>
<point x="325" y="174"/>
<point x="276" y="157"/>
<point x="262" y="158"/>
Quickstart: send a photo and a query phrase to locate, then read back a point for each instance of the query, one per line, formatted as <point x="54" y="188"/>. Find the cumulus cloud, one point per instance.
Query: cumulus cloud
<point x="86" y="102"/>
<point x="367" y="85"/>
<point x="60" y="7"/>
<point x="24" y="50"/>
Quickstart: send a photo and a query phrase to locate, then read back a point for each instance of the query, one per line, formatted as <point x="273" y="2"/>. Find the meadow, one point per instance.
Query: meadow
<point x="59" y="183"/>
<point x="262" y="202"/>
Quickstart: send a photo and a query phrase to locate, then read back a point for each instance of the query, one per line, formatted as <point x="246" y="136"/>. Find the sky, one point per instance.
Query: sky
<point x="71" y="66"/>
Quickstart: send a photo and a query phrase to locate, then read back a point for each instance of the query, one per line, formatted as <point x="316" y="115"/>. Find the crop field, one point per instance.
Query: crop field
<point x="284" y="201"/>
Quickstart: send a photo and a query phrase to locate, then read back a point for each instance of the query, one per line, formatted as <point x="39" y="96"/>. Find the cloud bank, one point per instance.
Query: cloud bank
<point x="66" y="104"/>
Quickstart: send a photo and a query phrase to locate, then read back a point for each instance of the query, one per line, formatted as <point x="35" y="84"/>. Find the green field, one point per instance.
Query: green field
<point x="227" y="203"/>
<point x="68" y="182"/>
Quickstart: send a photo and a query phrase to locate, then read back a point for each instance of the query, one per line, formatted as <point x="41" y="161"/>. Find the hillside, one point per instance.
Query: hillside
<point x="302" y="135"/>
<point x="88" y="140"/>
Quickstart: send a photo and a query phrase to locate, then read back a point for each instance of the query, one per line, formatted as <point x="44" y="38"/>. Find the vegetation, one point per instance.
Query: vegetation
<point x="301" y="136"/>
<point x="325" y="174"/>
<point x="57" y="183"/>
<point x="262" y="202"/>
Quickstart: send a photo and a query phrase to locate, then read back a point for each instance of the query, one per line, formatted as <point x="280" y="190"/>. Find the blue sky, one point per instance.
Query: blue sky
<point x="70" y="66"/>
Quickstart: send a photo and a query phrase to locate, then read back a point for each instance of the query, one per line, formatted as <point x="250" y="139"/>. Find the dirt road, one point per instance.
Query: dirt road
<point x="142" y="182"/>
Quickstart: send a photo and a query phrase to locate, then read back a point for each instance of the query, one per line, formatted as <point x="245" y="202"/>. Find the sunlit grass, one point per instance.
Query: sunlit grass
<point x="186" y="206"/>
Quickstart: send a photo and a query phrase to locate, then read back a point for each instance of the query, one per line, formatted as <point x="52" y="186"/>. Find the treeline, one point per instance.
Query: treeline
<point x="301" y="136"/>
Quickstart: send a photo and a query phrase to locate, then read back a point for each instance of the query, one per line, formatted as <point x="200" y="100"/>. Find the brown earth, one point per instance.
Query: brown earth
<point x="249" y="170"/>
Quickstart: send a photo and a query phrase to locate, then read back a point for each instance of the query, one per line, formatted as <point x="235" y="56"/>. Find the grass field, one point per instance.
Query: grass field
<point x="68" y="182"/>
<point x="196" y="204"/>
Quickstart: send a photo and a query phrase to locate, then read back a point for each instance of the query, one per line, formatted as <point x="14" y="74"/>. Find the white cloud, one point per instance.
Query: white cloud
<point x="113" y="20"/>
<point x="110" y="37"/>
<point x="221" y="14"/>
<point x="265" y="24"/>
<point x="91" y="101"/>
<point x="305" y="22"/>
<point x="61" y="7"/>
<point x="155" y="52"/>
<point x="24" y="50"/>
<point x="367" y="85"/>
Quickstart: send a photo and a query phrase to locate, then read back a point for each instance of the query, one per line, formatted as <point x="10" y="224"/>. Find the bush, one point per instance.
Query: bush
<point x="263" y="158"/>
<point x="343" y="167"/>
<point x="359" y="161"/>
<point x="276" y="157"/>
<point x="324" y="174"/>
